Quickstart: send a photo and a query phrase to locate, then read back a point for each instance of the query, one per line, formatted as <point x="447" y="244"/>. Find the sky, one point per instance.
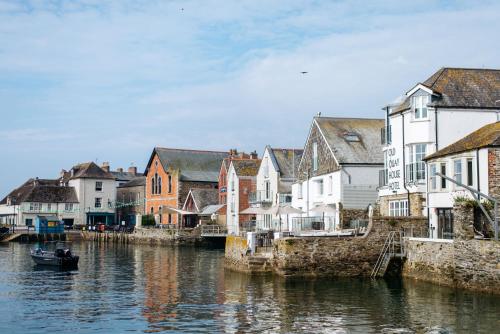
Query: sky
<point x="96" y="80"/>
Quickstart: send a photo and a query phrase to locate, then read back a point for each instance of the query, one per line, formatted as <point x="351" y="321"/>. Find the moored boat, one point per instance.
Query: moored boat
<point x="61" y="257"/>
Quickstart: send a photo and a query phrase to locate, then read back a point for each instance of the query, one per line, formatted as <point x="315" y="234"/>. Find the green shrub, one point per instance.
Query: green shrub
<point x="472" y="203"/>
<point x="148" y="220"/>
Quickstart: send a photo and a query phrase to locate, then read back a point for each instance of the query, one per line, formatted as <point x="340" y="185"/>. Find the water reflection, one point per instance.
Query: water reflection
<point x="120" y="288"/>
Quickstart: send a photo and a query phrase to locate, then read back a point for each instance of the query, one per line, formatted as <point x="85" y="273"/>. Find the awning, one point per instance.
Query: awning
<point x="255" y="211"/>
<point x="211" y="209"/>
<point x="324" y="208"/>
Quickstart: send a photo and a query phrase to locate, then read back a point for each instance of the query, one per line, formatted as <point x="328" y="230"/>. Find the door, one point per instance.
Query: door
<point x="445" y="223"/>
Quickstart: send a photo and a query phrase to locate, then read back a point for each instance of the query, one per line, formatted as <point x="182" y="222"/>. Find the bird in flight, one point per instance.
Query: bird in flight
<point x="304" y="72"/>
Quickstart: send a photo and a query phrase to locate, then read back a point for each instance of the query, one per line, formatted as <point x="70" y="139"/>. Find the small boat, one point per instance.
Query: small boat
<point x="61" y="257"/>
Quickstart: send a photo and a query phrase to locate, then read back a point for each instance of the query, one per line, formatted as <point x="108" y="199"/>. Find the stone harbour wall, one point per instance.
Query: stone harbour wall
<point x="463" y="262"/>
<point x="238" y="258"/>
<point x="146" y="236"/>
<point x="338" y="256"/>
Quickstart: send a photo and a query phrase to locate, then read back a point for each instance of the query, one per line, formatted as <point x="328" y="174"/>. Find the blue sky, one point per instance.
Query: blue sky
<point x="109" y="80"/>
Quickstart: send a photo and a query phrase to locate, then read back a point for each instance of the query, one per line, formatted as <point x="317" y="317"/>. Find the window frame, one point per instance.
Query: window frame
<point x="97" y="188"/>
<point x="457" y="176"/>
<point x="420" y="103"/>
<point x="470" y="171"/>
<point x="98" y="200"/>
<point x="315" y="156"/>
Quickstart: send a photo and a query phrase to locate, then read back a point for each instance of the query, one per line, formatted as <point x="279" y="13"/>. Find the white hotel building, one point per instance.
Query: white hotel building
<point x="433" y="114"/>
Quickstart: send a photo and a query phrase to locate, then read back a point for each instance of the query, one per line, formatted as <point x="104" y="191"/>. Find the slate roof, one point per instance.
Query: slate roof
<point x="205" y="197"/>
<point x="135" y="182"/>
<point x="124" y="176"/>
<point x="43" y="191"/>
<point x="246" y="167"/>
<point x="467" y="88"/>
<point x="287" y="160"/>
<point x="90" y="170"/>
<point x="337" y="131"/>
<point x="194" y="165"/>
<point x="487" y="136"/>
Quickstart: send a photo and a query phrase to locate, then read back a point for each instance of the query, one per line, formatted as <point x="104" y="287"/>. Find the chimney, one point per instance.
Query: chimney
<point x="119" y="170"/>
<point x="105" y="166"/>
<point x="132" y="170"/>
<point x="35" y="182"/>
<point x="233" y="152"/>
<point x="62" y="173"/>
<point x="254" y="155"/>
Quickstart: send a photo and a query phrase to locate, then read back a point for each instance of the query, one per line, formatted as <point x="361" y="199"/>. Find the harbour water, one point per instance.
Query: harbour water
<point x="131" y="288"/>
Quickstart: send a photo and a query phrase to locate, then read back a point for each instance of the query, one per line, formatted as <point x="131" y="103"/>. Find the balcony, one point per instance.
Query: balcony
<point x="308" y="224"/>
<point x="261" y="196"/>
<point x="415" y="172"/>
<point x="285" y="198"/>
<point x="383" y="177"/>
<point x="386" y="135"/>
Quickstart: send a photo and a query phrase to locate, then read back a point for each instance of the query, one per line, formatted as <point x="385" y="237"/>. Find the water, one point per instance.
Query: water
<point x="119" y="289"/>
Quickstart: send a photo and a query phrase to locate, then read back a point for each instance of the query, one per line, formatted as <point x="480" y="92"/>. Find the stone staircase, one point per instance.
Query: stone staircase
<point x="259" y="263"/>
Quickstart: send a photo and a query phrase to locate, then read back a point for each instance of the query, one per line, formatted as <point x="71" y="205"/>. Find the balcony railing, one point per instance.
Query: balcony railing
<point x="386" y="135"/>
<point x="285" y="198"/>
<point x="308" y="224"/>
<point x="261" y="196"/>
<point x="415" y="172"/>
<point x="382" y="177"/>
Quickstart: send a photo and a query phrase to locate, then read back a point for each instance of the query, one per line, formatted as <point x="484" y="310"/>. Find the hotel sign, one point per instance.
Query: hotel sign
<point x="393" y="169"/>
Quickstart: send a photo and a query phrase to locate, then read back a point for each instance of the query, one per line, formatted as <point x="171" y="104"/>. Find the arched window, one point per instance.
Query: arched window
<point x="152" y="210"/>
<point x="170" y="184"/>
<point x="152" y="185"/>
<point x="156" y="184"/>
<point x="159" y="185"/>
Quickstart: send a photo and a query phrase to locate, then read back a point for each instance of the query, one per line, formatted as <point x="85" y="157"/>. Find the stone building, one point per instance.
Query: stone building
<point x="473" y="161"/>
<point x="431" y="115"/>
<point x="39" y="197"/>
<point x="172" y="173"/>
<point x="242" y="182"/>
<point x="130" y="200"/>
<point x="339" y="168"/>
<point x="277" y="173"/>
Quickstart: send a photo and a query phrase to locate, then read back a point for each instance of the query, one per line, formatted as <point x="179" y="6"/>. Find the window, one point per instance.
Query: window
<point x="170" y="218"/>
<point x="232" y="184"/>
<point x="398" y="208"/>
<point x="152" y="185"/>
<point x="457" y="167"/>
<point x="330" y="184"/>
<point x="443" y="171"/>
<point x="68" y="207"/>
<point x="98" y="202"/>
<point x="315" y="156"/>
<point x="49" y="206"/>
<point x="470" y="174"/>
<point x="268" y="190"/>
<point x="415" y="170"/>
<point x="170" y="184"/>
<point x="351" y="136"/>
<point x="432" y="177"/>
<point x="320" y="187"/>
<point x="266" y="168"/>
<point x="29" y="222"/>
<point x="233" y="204"/>
<point x="159" y="185"/>
<point x="98" y="186"/>
<point x="35" y="206"/>
<point x="152" y="210"/>
<point x="420" y="106"/>
<point x="299" y="195"/>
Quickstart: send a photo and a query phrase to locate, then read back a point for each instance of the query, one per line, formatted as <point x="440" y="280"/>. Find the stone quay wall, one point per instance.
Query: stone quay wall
<point x="146" y="236"/>
<point x="238" y="258"/>
<point x="338" y="256"/>
<point x="463" y="262"/>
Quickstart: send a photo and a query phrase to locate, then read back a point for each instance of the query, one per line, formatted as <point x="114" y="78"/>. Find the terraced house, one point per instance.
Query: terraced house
<point x="171" y="174"/>
<point x="433" y="114"/>
<point x="338" y="172"/>
<point x="277" y="173"/>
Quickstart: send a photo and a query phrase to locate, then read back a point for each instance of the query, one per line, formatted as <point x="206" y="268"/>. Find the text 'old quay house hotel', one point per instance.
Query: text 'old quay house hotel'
<point x="433" y="114"/>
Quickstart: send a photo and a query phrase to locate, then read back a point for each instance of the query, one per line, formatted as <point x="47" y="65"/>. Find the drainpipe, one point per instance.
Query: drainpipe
<point x="477" y="173"/>
<point x="404" y="164"/>
<point x="436" y="127"/>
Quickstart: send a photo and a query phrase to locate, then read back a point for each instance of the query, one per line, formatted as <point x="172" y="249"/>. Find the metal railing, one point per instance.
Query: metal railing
<point x="261" y="196"/>
<point x="213" y="230"/>
<point x="308" y="224"/>
<point x="415" y="172"/>
<point x="393" y="247"/>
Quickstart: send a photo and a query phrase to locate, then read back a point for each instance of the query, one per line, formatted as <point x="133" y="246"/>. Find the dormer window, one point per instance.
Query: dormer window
<point x="420" y="106"/>
<point x="351" y="136"/>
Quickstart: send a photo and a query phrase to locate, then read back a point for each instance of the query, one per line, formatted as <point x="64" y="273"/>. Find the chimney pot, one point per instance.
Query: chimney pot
<point x="105" y="166"/>
<point x="119" y="170"/>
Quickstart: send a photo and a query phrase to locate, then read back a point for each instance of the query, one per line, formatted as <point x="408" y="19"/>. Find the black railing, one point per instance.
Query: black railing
<point x="415" y="172"/>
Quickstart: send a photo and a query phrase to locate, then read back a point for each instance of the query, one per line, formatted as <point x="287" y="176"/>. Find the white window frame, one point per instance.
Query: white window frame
<point x="420" y="110"/>
<point x="68" y="206"/>
<point x="458" y="172"/>
<point x="330" y="184"/>
<point x="432" y="177"/>
<point x="315" y="156"/>
<point x="98" y="202"/>
<point x="470" y="181"/>
<point x="300" y="189"/>
<point x="321" y="187"/>
<point x="398" y="208"/>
